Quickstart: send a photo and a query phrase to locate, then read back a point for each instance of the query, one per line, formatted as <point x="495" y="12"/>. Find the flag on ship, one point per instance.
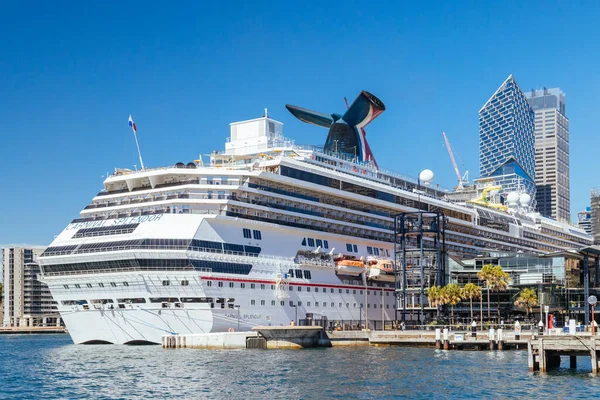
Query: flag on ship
<point x="132" y="124"/>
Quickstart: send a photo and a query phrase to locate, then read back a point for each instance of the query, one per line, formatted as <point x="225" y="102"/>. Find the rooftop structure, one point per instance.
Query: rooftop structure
<point x="506" y="139"/>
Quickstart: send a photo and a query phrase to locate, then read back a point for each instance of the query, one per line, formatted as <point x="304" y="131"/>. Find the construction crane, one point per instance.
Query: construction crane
<point x="462" y="180"/>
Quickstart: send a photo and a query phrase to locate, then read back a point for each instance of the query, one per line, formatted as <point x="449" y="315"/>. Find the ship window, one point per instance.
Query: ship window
<point x="387" y="306"/>
<point x="308" y="289"/>
<point x="73" y="302"/>
<point x="196" y="299"/>
<point x="77" y="286"/>
<point x="165" y="300"/>
<point x="331" y="290"/>
<point x="299" y="273"/>
<point x="291" y="273"/>
<point x="311" y="242"/>
<point x="220" y="284"/>
<point x="208" y="283"/>
<point x="317" y="289"/>
<point x="361" y="292"/>
<point x="368" y="292"/>
<point x="291" y="288"/>
<point x="308" y="304"/>
<point x="291" y="303"/>
<point x="137" y="300"/>
<point x="387" y="293"/>
<point x="272" y="302"/>
<point x="262" y="302"/>
<point x="340" y="305"/>
<point x="339" y="290"/>
<point x="307" y="275"/>
<point x="257" y="235"/>
<point x="243" y="285"/>
<point x="347" y="305"/>
<point x="101" y="284"/>
<point x="299" y="304"/>
<point x="66" y="286"/>
<point x="354" y="291"/>
<point x="347" y="291"/>
<point x="355" y="249"/>
<point x="376" y="251"/>
<point x="252" y="286"/>
<point x="319" y="243"/>
<point x="166" y="283"/>
<point x="113" y="284"/>
<point x="370" y="250"/>
<point x="299" y="288"/>
<point x="252" y="302"/>
<point x="247" y="234"/>
<point x="349" y="247"/>
<point x="102" y="301"/>
<point x="89" y="285"/>
<point x="368" y="305"/>
<point x="282" y="303"/>
<point x="387" y="252"/>
<point x="230" y="284"/>
<point x="304" y="242"/>
<point x="121" y="305"/>
<point x="325" y="244"/>
<point x="125" y="284"/>
<point x="316" y="304"/>
<point x="272" y="287"/>
<point x="262" y="286"/>
<point x="185" y="283"/>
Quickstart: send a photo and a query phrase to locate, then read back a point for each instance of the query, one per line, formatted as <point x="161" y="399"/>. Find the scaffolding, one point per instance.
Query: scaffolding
<point x="419" y="256"/>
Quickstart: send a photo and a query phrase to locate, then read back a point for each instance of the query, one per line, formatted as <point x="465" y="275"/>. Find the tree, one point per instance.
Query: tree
<point x="499" y="283"/>
<point x="528" y="299"/>
<point x="487" y="275"/>
<point x="453" y="295"/>
<point x="471" y="291"/>
<point x="435" y="297"/>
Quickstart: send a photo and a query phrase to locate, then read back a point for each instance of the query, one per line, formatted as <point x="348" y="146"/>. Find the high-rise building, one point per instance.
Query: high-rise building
<point x="506" y="139"/>
<point x="584" y="220"/>
<point x="27" y="301"/>
<point x="595" y="208"/>
<point x="553" y="195"/>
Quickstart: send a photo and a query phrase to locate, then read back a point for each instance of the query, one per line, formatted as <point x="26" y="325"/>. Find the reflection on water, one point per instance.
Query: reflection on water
<point x="52" y="367"/>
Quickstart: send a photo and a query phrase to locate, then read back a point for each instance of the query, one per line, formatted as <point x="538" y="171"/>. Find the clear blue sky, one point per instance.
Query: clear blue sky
<point x="72" y="73"/>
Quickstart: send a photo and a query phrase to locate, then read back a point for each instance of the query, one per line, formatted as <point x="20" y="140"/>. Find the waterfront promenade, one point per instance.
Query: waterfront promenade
<point x="25" y="330"/>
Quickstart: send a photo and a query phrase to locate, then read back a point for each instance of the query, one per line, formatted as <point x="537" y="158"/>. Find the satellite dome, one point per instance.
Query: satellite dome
<point x="426" y="177"/>
<point x="513" y="199"/>
<point x="525" y="199"/>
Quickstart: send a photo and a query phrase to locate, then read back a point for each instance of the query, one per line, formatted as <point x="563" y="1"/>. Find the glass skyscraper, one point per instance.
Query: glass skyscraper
<point x="551" y="153"/>
<point x="507" y="140"/>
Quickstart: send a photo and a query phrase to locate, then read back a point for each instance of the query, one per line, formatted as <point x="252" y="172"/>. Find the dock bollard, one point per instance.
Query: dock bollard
<point x="438" y="338"/>
<point x="492" y="337"/>
<point x="446" y="339"/>
<point x="500" y="340"/>
<point x="474" y="330"/>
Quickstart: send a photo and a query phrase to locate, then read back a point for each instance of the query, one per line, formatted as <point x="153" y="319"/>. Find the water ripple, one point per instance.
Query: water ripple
<point x="33" y="367"/>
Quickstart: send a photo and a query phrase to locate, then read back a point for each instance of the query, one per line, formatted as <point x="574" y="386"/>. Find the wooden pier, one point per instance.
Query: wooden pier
<point x="545" y="351"/>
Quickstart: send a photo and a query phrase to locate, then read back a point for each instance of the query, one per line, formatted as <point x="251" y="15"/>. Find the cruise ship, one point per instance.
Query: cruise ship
<point x="266" y="232"/>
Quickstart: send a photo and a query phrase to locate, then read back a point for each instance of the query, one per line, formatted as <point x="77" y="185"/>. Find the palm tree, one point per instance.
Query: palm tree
<point x="487" y="275"/>
<point x="499" y="283"/>
<point x="453" y="294"/>
<point x="471" y="291"/>
<point x="528" y="299"/>
<point x="434" y="295"/>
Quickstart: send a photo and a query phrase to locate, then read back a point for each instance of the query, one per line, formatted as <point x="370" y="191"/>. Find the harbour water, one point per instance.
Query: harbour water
<point x="50" y="366"/>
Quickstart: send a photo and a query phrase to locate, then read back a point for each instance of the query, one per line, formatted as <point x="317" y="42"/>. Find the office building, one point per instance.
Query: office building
<point x="595" y="214"/>
<point x="27" y="301"/>
<point x="507" y="141"/>
<point x="584" y="220"/>
<point x="553" y="196"/>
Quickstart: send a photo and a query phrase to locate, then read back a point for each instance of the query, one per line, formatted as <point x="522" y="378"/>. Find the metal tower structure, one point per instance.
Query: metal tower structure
<point x="419" y="256"/>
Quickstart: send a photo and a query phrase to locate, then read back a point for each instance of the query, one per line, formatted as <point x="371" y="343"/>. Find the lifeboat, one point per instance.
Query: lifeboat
<point x="349" y="266"/>
<point x="380" y="270"/>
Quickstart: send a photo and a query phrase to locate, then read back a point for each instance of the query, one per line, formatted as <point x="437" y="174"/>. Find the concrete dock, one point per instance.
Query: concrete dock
<point x="296" y="337"/>
<point x="544" y="352"/>
<point x="31" y="330"/>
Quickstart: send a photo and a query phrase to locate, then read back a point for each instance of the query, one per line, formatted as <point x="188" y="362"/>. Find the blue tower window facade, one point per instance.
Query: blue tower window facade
<point x="507" y="139"/>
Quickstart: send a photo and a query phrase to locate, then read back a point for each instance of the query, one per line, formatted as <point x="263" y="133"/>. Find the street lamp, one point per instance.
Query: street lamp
<point x="238" y="313"/>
